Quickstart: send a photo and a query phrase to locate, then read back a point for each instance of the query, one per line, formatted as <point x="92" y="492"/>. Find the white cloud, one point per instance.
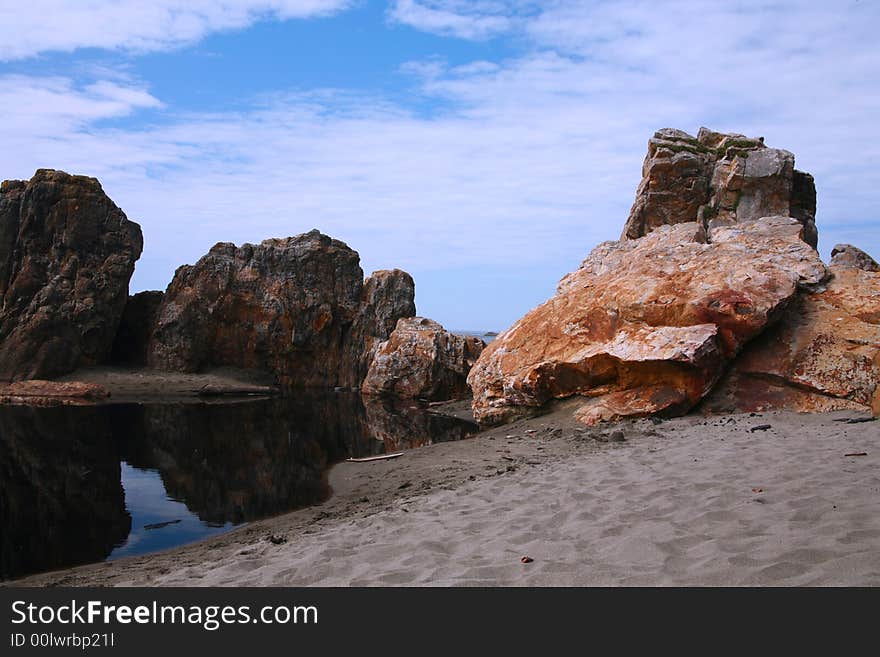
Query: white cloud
<point x="57" y="109"/>
<point x="465" y="19"/>
<point x="530" y="163"/>
<point x="29" y="28"/>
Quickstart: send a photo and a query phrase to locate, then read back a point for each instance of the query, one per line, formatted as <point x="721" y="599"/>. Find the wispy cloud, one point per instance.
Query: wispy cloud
<point x="465" y="19"/>
<point x="29" y="28"/>
<point x="524" y="166"/>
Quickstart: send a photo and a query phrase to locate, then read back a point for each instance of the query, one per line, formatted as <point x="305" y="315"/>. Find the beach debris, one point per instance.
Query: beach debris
<point x="855" y="420"/>
<point x="760" y="427"/>
<point x="160" y="525"/>
<point x="276" y="539"/>
<point x="617" y="436"/>
<point x="380" y="457"/>
<point x="857" y="454"/>
<point x="218" y="390"/>
<point x="405" y="484"/>
<point x="613" y="436"/>
<point x="757" y="490"/>
<point x="526" y="559"/>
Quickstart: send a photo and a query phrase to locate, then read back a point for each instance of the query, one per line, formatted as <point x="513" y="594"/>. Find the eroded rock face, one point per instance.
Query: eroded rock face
<point x="647" y="326"/>
<point x="847" y="255"/>
<point x="718" y="179"/>
<point x="297" y="307"/>
<point x="135" y="328"/>
<point x="387" y="296"/>
<point x="67" y="253"/>
<point x="823" y="355"/>
<point x="423" y="360"/>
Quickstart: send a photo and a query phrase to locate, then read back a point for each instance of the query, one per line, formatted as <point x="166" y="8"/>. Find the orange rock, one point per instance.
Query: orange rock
<point x="823" y="355"/>
<point x="647" y="326"/>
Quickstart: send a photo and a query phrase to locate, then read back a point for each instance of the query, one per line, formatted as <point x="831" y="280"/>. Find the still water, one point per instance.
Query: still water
<point x="85" y="484"/>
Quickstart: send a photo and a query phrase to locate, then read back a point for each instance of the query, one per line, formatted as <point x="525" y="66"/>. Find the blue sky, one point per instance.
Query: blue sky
<point x="483" y="146"/>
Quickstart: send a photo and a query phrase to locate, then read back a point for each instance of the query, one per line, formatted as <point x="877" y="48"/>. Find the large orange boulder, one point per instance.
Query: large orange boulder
<point x="824" y="354"/>
<point x="647" y="325"/>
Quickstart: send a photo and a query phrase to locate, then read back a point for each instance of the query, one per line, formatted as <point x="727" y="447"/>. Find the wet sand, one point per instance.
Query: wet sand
<point x="690" y="501"/>
<point x="145" y="385"/>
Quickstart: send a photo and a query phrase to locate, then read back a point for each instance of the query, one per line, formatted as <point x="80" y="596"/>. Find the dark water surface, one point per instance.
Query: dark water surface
<point x="84" y="484"/>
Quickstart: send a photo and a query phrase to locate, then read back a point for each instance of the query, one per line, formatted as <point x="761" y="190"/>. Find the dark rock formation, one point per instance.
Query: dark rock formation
<point x="718" y="179"/>
<point x="846" y="255"/>
<point x="387" y="296"/>
<point x="136" y="328"/>
<point x="297" y="307"/>
<point x="423" y="360"/>
<point x="66" y="256"/>
<point x="61" y="500"/>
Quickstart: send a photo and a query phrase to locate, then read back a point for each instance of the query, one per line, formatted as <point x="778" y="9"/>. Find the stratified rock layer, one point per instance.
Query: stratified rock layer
<point x="718" y="179"/>
<point x="297" y="307"/>
<point x="423" y="360"/>
<point x="66" y="256"/>
<point x="647" y="326"/>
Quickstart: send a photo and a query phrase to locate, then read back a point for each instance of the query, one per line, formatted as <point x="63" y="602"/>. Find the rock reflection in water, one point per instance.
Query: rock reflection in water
<point x="62" y="501"/>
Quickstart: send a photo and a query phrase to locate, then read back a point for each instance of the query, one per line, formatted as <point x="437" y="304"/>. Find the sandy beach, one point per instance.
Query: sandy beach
<point x="722" y="500"/>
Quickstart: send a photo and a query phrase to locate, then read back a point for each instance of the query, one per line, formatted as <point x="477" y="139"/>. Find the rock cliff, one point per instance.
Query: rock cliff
<point x="297" y="307"/>
<point x="717" y="179"/>
<point x="66" y="256"/>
